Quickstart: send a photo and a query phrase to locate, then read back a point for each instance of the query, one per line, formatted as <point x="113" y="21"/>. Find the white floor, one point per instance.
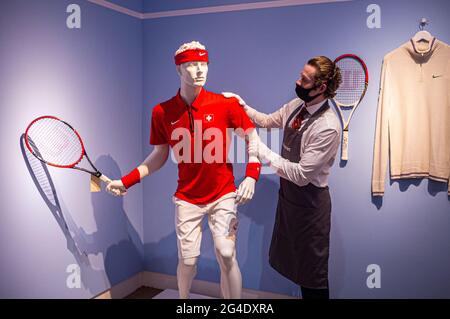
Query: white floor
<point x="173" y="294"/>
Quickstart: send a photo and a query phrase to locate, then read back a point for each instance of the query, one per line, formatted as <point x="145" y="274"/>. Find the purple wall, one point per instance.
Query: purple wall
<point x="104" y="79"/>
<point x="92" y="78"/>
<point x="258" y="54"/>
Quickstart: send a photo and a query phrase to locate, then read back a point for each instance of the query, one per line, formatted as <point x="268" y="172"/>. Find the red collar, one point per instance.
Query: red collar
<point x="197" y="102"/>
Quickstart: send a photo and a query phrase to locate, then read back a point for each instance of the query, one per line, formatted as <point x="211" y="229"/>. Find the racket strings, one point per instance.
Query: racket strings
<point x="353" y="81"/>
<point x="57" y="142"/>
<point x="54" y="146"/>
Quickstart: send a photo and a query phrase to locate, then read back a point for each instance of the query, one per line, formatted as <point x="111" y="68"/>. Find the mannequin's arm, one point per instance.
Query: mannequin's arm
<point x="154" y="161"/>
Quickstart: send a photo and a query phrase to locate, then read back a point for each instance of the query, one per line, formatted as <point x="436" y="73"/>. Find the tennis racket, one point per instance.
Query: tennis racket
<point x="355" y="79"/>
<point x="44" y="184"/>
<point x="59" y="145"/>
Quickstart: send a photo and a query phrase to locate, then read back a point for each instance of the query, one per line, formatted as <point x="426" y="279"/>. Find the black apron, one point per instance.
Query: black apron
<point x="300" y="241"/>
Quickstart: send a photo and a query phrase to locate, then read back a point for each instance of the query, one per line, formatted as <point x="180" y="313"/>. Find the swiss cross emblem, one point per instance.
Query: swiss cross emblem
<point x="209" y="118"/>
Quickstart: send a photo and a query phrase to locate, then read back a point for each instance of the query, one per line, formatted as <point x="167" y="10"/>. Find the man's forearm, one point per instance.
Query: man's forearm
<point x="259" y="118"/>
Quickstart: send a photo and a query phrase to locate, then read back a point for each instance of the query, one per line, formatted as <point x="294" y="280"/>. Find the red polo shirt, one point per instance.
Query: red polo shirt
<point x="200" y="180"/>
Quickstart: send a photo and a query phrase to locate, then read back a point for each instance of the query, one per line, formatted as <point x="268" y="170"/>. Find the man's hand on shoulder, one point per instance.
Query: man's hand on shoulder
<point x="231" y="95"/>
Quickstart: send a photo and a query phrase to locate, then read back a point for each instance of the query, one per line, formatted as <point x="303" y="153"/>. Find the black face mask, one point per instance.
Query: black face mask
<point x="303" y="93"/>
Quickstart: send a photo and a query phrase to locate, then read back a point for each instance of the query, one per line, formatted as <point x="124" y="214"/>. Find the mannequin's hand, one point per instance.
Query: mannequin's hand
<point x="116" y="188"/>
<point x="245" y="191"/>
<point x="230" y="94"/>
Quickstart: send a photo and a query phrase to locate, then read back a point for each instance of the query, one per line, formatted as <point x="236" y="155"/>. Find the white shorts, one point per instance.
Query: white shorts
<point x="222" y="221"/>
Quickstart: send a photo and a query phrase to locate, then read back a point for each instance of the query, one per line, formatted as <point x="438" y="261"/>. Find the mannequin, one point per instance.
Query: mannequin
<point x="189" y="112"/>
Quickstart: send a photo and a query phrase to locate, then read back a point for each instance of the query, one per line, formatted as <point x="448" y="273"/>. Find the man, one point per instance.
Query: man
<point x="195" y="123"/>
<point x="300" y="241"/>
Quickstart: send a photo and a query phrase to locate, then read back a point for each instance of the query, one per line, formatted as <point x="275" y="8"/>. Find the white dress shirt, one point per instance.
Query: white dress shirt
<point x="319" y="144"/>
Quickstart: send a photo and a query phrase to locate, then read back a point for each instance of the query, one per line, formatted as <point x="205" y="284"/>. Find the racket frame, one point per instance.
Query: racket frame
<point x="344" y="152"/>
<point x="95" y="173"/>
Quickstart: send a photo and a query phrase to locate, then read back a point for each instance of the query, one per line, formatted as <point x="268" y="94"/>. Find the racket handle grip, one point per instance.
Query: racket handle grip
<point x="344" y="153"/>
<point x="105" y="179"/>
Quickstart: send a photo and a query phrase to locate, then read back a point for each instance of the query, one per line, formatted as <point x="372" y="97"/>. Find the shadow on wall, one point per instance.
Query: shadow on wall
<point x="162" y="256"/>
<point x="105" y="257"/>
<point x="116" y="238"/>
<point x="434" y="188"/>
<point x="44" y="184"/>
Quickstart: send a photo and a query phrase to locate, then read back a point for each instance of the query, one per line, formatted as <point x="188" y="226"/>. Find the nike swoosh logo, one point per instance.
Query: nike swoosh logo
<point x="201" y="54"/>
<point x="436" y="76"/>
<point x="173" y="123"/>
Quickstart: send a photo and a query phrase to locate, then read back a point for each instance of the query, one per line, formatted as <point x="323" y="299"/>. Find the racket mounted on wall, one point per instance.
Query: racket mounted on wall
<point x="355" y="79"/>
<point x="56" y="143"/>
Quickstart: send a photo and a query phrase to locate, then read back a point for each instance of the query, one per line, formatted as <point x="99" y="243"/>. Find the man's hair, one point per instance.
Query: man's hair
<point x="193" y="45"/>
<point x="327" y="72"/>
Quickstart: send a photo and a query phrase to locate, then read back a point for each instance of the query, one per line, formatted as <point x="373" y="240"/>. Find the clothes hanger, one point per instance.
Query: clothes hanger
<point x="422" y="40"/>
<point x="423" y="35"/>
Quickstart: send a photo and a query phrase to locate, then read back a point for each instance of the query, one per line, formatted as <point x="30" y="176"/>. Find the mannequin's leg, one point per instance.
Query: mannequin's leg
<point x="186" y="271"/>
<point x="224" y="288"/>
<point x="223" y="223"/>
<point x="230" y="274"/>
<point x="188" y="220"/>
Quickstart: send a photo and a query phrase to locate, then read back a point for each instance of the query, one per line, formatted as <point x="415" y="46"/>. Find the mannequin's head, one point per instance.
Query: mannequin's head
<point x="191" y="61"/>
